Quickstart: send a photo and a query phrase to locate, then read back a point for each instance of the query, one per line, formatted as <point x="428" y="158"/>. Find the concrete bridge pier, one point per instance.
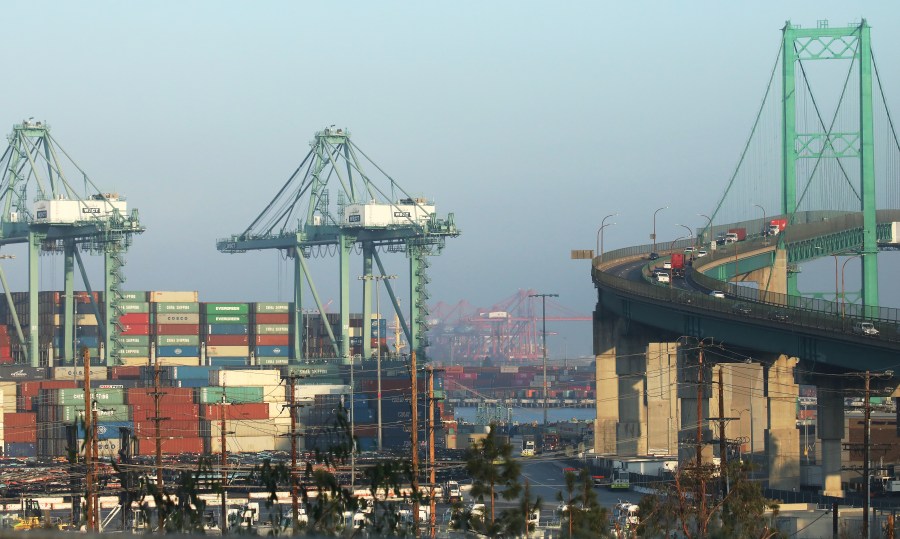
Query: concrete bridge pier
<point x="771" y="279"/>
<point x="830" y="431"/>
<point x="636" y="403"/>
<point x="782" y="436"/>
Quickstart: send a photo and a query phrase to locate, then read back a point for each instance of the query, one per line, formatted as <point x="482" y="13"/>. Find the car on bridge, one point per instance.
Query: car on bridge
<point x="662" y="277"/>
<point x="653" y="256"/>
<point x="700" y="254"/>
<point x="779" y="316"/>
<point x="865" y="328"/>
<point x="741" y="308"/>
<point x="717" y="294"/>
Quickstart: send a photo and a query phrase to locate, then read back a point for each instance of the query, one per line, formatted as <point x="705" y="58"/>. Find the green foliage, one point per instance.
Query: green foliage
<point x="583" y="517"/>
<point x="491" y="466"/>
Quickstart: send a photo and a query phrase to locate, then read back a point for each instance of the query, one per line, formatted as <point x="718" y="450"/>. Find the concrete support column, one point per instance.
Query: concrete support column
<point x="830" y="430"/>
<point x="742" y="395"/>
<point x="782" y="436"/>
<point x="662" y="417"/>
<point x="607" y="404"/>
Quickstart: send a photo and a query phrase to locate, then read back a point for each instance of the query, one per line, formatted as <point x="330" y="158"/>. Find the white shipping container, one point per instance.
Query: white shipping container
<point x="246" y="427"/>
<point x="245" y="444"/>
<point x="384" y="215"/>
<point x="245" y="377"/>
<point x="68" y="373"/>
<point x="71" y="211"/>
<point x="80" y="319"/>
<point x="181" y="318"/>
<point x="228" y="351"/>
<point x="163" y="296"/>
<point x="277" y="394"/>
<point x="178" y="361"/>
<point x="135" y="361"/>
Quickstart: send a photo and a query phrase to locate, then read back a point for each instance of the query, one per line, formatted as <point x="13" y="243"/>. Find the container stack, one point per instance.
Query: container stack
<point x="179" y="425"/>
<point x="20" y="434"/>
<point x="272" y="333"/>
<point x="64" y="406"/>
<point x="251" y="432"/>
<point x="5" y="345"/>
<point x="227" y="334"/>
<point x="134" y="328"/>
<point x="177" y="327"/>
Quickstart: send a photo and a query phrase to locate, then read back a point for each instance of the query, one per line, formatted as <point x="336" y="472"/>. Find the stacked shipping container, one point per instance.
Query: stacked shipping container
<point x="176" y="327"/>
<point x="227" y="328"/>
<point x="272" y="333"/>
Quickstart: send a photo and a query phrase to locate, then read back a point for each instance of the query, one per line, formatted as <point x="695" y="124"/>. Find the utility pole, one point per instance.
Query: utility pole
<point x="295" y="507"/>
<point x="156" y="424"/>
<point x="544" y="341"/>
<point x="701" y="478"/>
<point x="414" y="399"/>
<point x="89" y="479"/>
<point x="224" y="465"/>
<point x="723" y="459"/>
<point x="431" y="434"/>
<point x="866" y="478"/>
<point x="95" y="452"/>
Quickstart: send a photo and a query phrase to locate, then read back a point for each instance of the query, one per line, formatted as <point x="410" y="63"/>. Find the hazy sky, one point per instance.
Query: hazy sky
<point x="529" y="121"/>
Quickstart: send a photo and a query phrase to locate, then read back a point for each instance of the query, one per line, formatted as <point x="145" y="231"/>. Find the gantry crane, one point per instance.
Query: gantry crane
<point x="42" y="208"/>
<point x="302" y="220"/>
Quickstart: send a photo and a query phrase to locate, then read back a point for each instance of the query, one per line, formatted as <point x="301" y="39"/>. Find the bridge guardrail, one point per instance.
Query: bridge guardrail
<point x="772" y="307"/>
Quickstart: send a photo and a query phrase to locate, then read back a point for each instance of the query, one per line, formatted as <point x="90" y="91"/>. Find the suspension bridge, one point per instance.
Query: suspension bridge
<point x="823" y="156"/>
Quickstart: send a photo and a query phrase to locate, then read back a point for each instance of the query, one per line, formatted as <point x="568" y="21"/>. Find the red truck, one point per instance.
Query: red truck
<point x="776" y="226"/>
<point x="678" y="264"/>
<point x="735" y="234"/>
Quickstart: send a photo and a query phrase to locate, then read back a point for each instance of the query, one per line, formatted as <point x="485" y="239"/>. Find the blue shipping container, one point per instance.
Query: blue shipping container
<point x="191" y="382"/>
<point x="20" y="449"/>
<point x="273" y="351"/>
<point x="89" y="341"/>
<point x="228" y="361"/>
<point x="190" y="372"/>
<point x="107" y="431"/>
<point x="176" y="351"/>
<point x="227" y="329"/>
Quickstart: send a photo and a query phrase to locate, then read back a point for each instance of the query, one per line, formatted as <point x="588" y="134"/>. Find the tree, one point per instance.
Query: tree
<point x="517" y="522"/>
<point x="491" y="466"/>
<point x="740" y="513"/>
<point x="583" y="517"/>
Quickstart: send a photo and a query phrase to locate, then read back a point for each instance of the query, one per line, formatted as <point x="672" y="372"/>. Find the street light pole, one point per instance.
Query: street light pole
<point x="690" y="232"/>
<point x="709" y="227"/>
<point x="600" y="233"/>
<point x="377" y="279"/>
<point x="653" y="236"/>
<point x="765" y="230"/>
<point x="544" y="341"/>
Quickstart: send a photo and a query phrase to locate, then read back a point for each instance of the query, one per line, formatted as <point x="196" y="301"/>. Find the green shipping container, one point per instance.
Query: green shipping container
<point x="134" y="307"/>
<point x="272" y="329"/>
<point x="272" y="361"/>
<point x="271" y="308"/>
<point x="177" y="307"/>
<point x="106" y="413"/>
<point x="134" y="295"/>
<point x="178" y="340"/>
<point x="134" y="351"/>
<point x="74" y="397"/>
<point x="240" y="394"/>
<point x="227" y="319"/>
<point x="131" y="341"/>
<point x="226" y="308"/>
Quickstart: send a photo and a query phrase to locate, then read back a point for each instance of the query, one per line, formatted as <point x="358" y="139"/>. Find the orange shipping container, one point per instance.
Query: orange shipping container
<point x="228" y="340"/>
<point x="178" y="329"/>
<point x="272" y="340"/>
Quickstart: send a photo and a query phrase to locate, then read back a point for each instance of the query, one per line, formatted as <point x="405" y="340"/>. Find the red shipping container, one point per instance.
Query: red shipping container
<point x="135" y="318"/>
<point x="272" y="340"/>
<point x="178" y="329"/>
<point x="171" y="395"/>
<point x="20" y="419"/>
<point x="135" y="329"/>
<point x="228" y="340"/>
<point x="59" y="384"/>
<point x="147" y="429"/>
<point x="4" y="330"/>
<point x="126" y="373"/>
<point x="174" y="412"/>
<point x="273" y="318"/>
<point x="29" y="389"/>
<point x="5" y="350"/>
<point x="213" y="412"/>
<point x="171" y="446"/>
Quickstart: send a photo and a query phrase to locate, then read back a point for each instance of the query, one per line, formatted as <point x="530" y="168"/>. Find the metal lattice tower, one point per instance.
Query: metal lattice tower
<point x="381" y="216"/>
<point x="823" y="43"/>
<point x="42" y="208"/>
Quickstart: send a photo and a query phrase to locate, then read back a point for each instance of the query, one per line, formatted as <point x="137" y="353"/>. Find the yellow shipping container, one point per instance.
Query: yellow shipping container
<point x="135" y="361"/>
<point x="250" y="444"/>
<point x="227" y="351"/>
<point x="159" y="296"/>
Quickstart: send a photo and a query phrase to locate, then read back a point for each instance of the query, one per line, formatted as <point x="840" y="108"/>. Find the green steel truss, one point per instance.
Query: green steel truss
<point x="302" y="221"/>
<point x="33" y="170"/>
<point x="849" y="43"/>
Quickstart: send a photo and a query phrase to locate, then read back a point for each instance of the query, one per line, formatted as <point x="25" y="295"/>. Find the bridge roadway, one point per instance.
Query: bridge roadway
<point x="816" y="331"/>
